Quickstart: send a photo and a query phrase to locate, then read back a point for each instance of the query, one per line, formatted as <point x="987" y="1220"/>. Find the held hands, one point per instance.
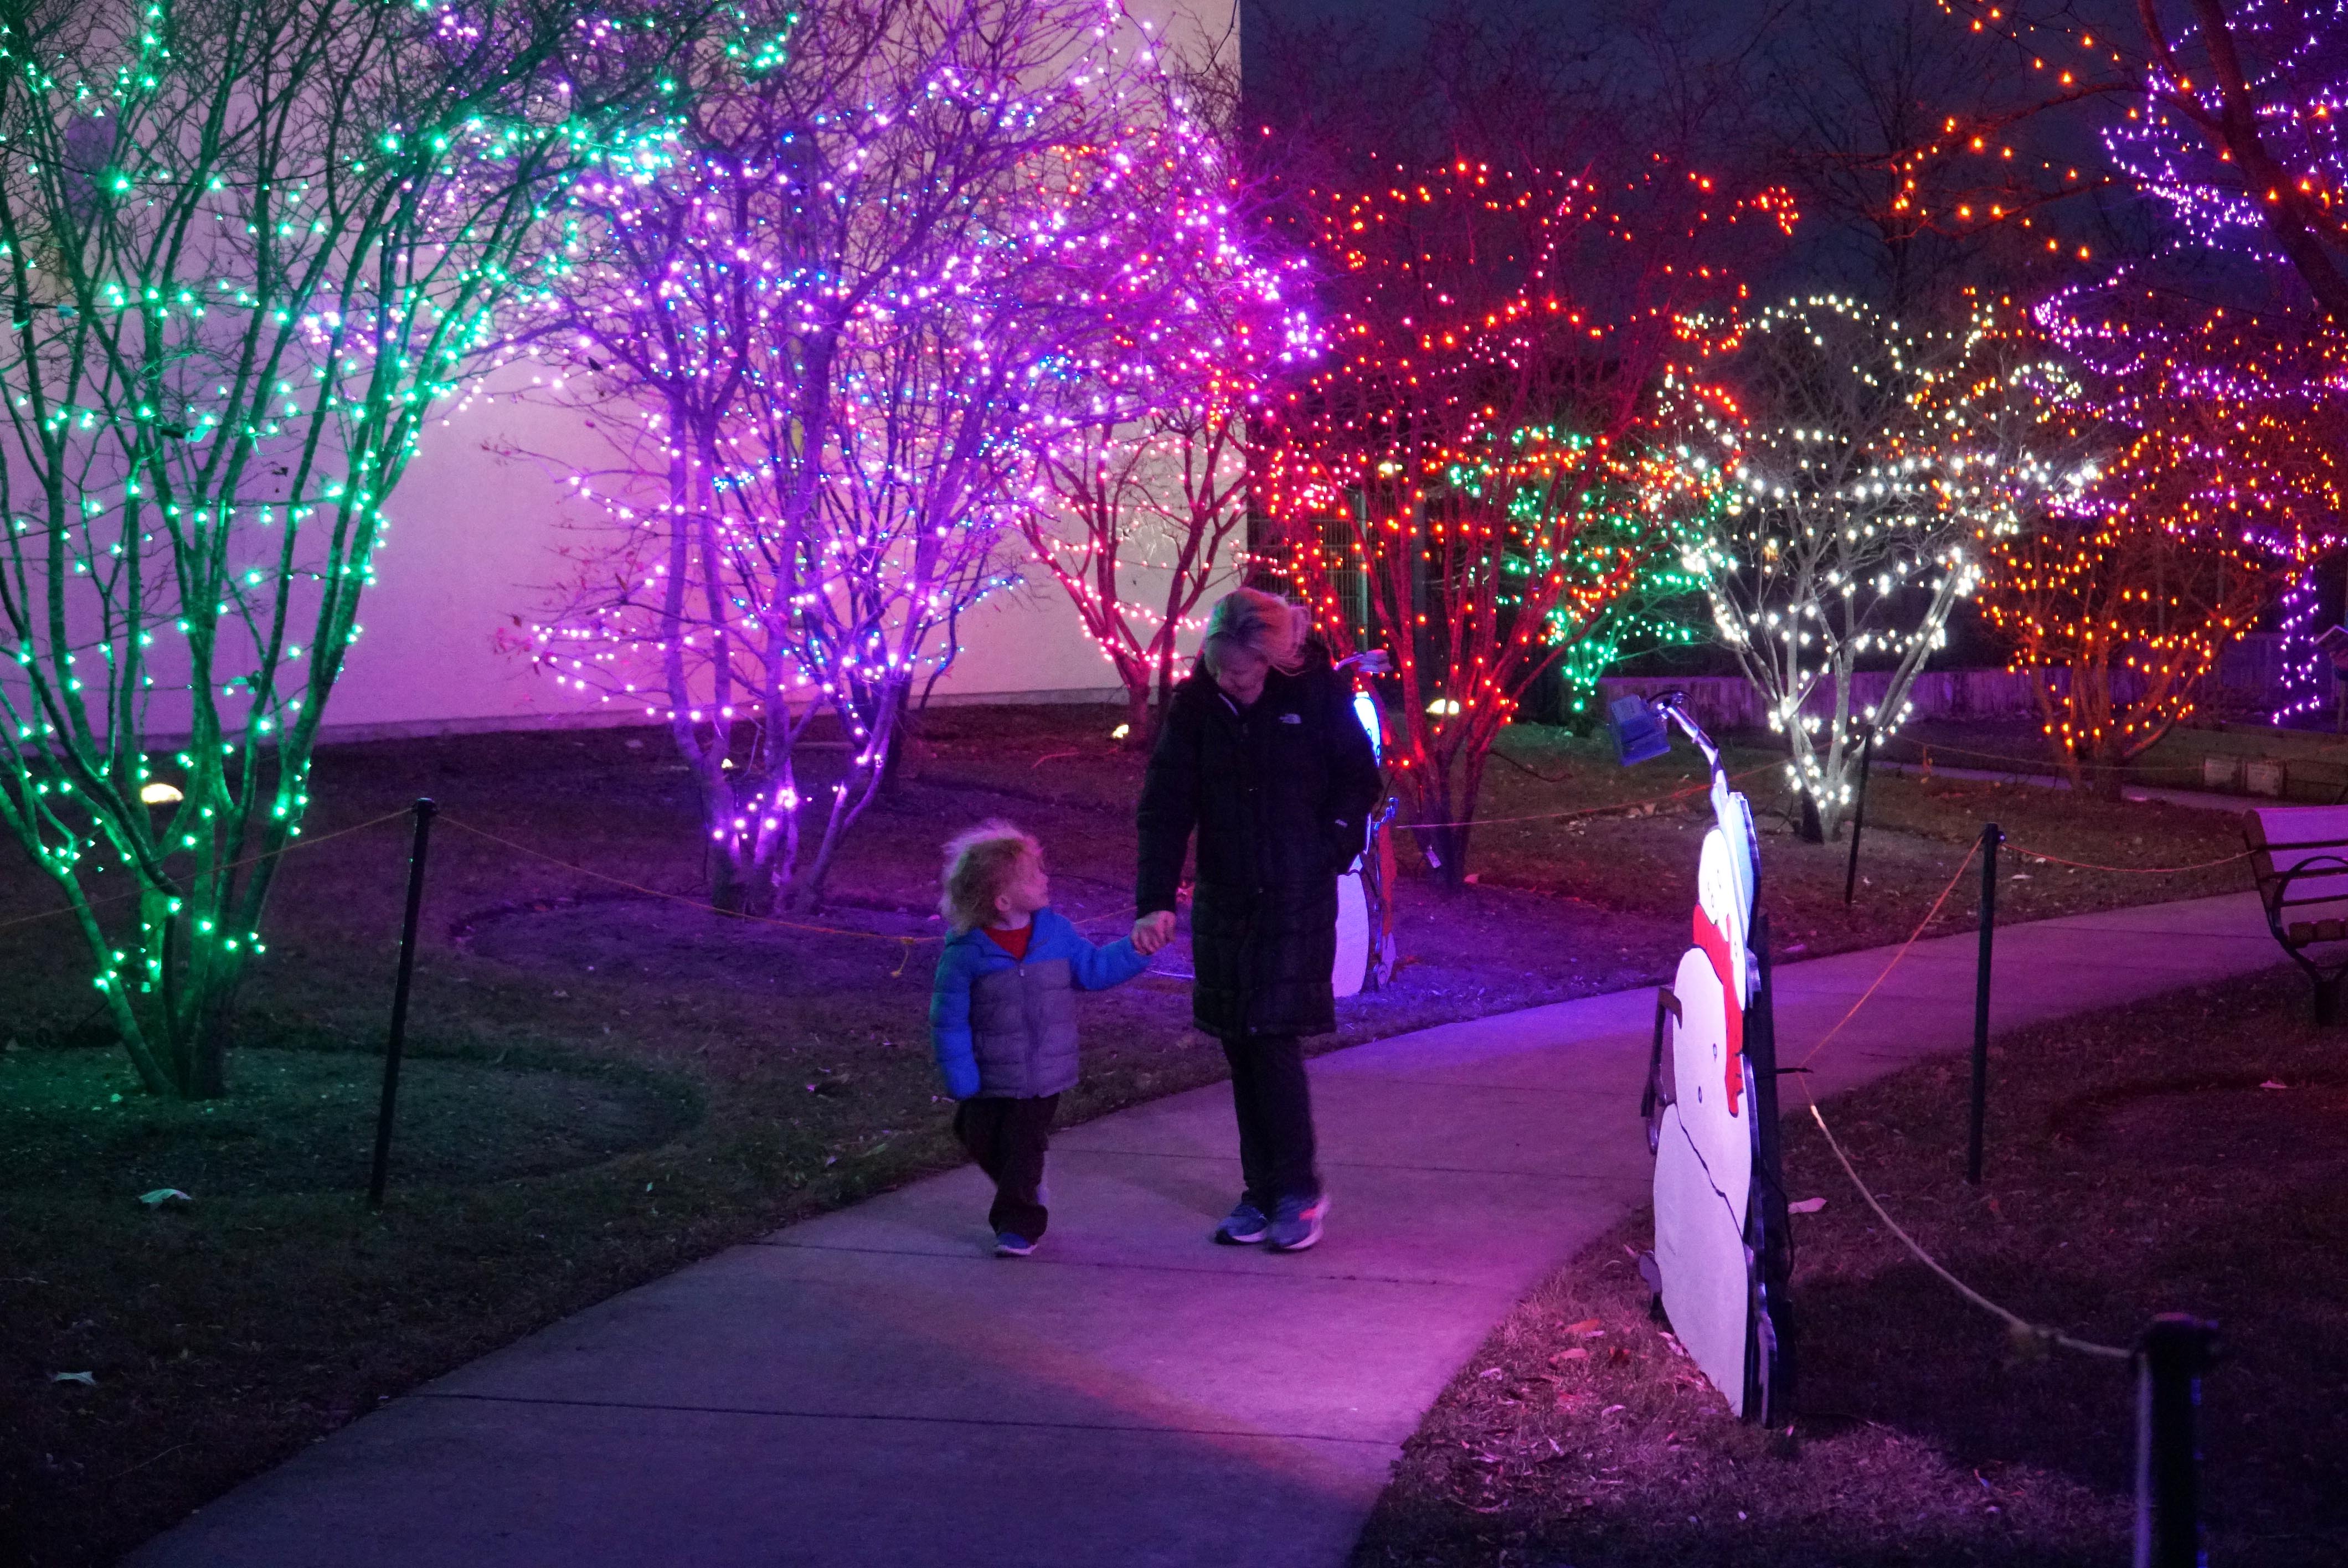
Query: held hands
<point x="1152" y="932"/>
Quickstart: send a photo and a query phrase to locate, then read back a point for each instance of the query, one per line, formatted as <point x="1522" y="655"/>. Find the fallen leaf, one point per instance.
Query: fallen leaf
<point x="89" y="1377"/>
<point x="1608" y="1411"/>
<point x="162" y="1196"/>
<point x="1576" y="1354"/>
<point x="1806" y="1207"/>
<point x="2274" y="1083"/>
<point x="1585" y="1328"/>
<point x="1489" y="1372"/>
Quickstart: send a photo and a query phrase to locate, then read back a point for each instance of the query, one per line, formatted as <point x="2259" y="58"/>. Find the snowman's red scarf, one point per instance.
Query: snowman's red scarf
<point x="1715" y="943"/>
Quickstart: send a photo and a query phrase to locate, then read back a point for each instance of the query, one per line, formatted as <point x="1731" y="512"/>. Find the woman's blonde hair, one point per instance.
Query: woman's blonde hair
<point x="980" y="865"/>
<point x="1263" y="624"/>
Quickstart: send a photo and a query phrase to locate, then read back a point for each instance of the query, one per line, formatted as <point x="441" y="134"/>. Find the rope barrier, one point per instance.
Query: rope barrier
<point x="2134" y="870"/>
<point x="1626" y="806"/>
<point x="1930" y="915"/>
<point x="910" y="943"/>
<point x="2015" y="1323"/>
<point x="2048" y="765"/>
<point x="287" y="848"/>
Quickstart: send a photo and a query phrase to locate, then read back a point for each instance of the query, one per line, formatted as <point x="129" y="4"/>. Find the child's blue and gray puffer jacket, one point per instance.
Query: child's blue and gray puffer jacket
<point x="1007" y="1028"/>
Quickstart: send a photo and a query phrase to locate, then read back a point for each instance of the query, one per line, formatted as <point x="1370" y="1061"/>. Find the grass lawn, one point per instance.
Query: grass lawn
<point x="604" y="1085"/>
<point x="2186" y="1154"/>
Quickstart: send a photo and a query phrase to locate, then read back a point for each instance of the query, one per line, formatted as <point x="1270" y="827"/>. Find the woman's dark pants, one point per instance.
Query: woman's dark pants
<point x="1008" y="1138"/>
<point x="1275" y="1116"/>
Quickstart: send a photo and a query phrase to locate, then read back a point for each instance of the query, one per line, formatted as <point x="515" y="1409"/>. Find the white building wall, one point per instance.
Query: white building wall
<point x="474" y="546"/>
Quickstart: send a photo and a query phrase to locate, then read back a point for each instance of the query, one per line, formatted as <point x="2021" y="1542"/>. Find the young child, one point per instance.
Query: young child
<point x="1002" y="1016"/>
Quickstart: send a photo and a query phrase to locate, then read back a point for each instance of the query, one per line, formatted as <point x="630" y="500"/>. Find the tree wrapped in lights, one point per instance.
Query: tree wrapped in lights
<point x="2120" y="603"/>
<point x="1145" y="489"/>
<point x="1474" y="477"/>
<point x="2234" y="123"/>
<point x="247" y="244"/>
<point x="2241" y="135"/>
<point x="873" y="279"/>
<point x="1863" y="459"/>
<point x="1125" y="505"/>
<point x="1140" y="498"/>
<point x="2220" y="483"/>
<point x="2241" y="139"/>
<point x="2235" y="130"/>
<point x="1660" y="609"/>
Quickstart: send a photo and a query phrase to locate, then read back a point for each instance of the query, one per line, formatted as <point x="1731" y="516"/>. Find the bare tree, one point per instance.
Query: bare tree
<point x="1924" y="162"/>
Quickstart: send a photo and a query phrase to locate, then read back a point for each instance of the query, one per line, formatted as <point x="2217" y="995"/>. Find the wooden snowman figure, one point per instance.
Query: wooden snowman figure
<point x="1712" y="1125"/>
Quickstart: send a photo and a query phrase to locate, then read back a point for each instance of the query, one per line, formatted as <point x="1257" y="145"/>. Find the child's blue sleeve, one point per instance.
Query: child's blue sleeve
<point x="950" y="1026"/>
<point x="1097" y="968"/>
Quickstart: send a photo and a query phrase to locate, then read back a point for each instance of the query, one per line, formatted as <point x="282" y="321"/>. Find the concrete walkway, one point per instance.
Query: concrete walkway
<point x="868" y="1388"/>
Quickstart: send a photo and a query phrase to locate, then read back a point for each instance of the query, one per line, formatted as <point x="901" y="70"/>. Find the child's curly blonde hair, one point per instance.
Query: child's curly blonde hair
<point x="980" y="865"/>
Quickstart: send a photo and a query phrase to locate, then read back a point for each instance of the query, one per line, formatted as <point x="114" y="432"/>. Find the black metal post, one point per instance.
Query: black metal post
<point x="425" y="808"/>
<point x="1859" y="815"/>
<point x="2170" y="1359"/>
<point x="1989" y="839"/>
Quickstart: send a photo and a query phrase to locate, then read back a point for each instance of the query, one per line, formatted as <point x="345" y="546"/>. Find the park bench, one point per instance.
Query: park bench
<point x="2299" y="855"/>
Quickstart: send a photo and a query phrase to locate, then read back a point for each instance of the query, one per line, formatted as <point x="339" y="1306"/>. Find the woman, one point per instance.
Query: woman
<point x="1261" y="753"/>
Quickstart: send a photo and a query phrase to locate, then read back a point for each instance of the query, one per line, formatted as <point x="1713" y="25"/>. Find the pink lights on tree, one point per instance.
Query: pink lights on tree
<point x="836" y="327"/>
<point x="1140" y="497"/>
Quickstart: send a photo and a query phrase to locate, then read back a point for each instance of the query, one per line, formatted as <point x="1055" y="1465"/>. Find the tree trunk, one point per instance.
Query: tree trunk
<point x="1442" y="832"/>
<point x="204" y="1054"/>
<point x="1139" y="733"/>
<point x="1810" y="824"/>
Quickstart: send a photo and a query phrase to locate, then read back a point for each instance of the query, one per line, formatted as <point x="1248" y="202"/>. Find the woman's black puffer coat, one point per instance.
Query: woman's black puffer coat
<point x="1279" y="795"/>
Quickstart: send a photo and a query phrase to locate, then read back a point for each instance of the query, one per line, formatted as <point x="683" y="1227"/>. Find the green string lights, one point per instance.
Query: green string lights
<point x="244" y="250"/>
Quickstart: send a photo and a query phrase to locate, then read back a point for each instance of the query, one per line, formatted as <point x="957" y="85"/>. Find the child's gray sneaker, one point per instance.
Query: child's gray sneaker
<point x="1244" y="1227"/>
<point x="1296" y="1223"/>
<point x="1010" y="1243"/>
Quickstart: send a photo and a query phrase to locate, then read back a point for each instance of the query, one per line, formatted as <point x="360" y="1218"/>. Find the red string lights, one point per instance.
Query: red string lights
<point x="1476" y="474"/>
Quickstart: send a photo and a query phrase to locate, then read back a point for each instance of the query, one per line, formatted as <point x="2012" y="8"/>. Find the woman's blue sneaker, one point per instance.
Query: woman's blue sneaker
<point x="1296" y="1223"/>
<point x="1009" y="1243"/>
<point x="1243" y="1226"/>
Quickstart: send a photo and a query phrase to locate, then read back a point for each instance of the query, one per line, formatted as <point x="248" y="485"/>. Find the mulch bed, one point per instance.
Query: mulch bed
<point x="2187" y="1155"/>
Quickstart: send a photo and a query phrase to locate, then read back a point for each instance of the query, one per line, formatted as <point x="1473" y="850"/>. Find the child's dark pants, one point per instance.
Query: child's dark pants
<point x="1008" y="1138"/>
<point x="1275" y="1116"/>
